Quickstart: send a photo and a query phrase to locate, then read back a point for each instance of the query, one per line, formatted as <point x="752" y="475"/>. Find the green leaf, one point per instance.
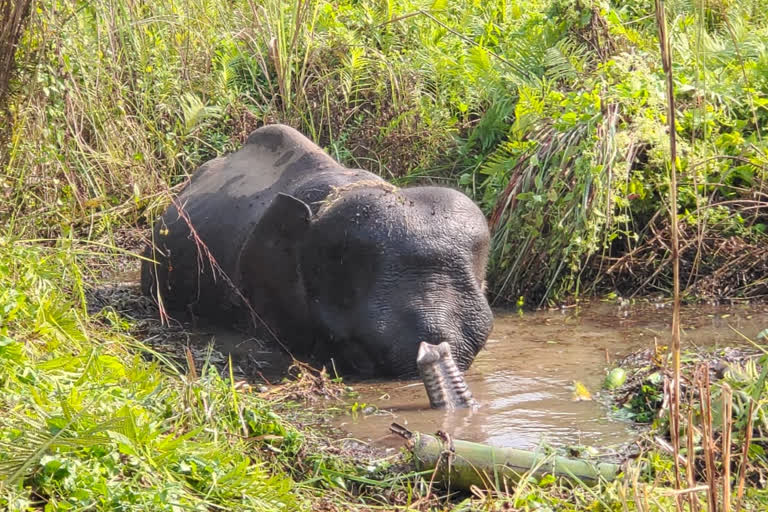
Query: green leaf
<point x="10" y="349"/>
<point x="439" y="5"/>
<point x="479" y="60"/>
<point x="525" y="196"/>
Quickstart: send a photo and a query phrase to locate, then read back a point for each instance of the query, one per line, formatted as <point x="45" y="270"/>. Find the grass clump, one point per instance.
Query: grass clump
<point x="90" y="418"/>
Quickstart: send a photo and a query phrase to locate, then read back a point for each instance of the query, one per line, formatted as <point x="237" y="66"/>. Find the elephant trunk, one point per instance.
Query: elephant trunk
<point x="444" y="382"/>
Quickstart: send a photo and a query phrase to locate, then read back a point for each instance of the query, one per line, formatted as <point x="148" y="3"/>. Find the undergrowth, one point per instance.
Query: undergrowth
<point x="92" y="419"/>
<point x="550" y="114"/>
<point x="723" y="423"/>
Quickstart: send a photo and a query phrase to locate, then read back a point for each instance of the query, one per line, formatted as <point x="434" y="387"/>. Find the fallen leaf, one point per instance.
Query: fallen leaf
<point x="580" y="391"/>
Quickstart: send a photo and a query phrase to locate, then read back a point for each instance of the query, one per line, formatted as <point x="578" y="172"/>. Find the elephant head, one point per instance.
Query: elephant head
<point x="378" y="270"/>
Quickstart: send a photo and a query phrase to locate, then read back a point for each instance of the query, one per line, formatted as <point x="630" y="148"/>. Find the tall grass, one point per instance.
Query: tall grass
<point x="549" y="114"/>
<point x="674" y="242"/>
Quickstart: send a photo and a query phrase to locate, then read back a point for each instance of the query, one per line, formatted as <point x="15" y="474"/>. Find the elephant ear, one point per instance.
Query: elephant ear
<point x="268" y="261"/>
<point x="287" y="216"/>
<point x="277" y="233"/>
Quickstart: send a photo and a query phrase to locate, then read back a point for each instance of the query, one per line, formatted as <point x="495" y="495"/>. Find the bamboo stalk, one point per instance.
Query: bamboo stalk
<point x="463" y="464"/>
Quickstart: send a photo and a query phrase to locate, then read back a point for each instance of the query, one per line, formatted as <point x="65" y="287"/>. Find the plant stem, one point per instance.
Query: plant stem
<point x="666" y="59"/>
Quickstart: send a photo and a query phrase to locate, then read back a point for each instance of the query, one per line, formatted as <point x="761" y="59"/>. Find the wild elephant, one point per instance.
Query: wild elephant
<point x="337" y="262"/>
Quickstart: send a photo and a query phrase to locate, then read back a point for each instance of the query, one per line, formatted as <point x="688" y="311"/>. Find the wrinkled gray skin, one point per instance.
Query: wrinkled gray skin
<point x="443" y="381"/>
<point x="362" y="280"/>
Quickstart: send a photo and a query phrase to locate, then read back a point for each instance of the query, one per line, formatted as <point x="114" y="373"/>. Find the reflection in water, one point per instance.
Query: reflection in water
<point x="524" y="378"/>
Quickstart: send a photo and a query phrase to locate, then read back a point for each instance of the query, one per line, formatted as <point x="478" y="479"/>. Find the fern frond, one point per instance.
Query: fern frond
<point x="566" y="61"/>
<point x="195" y="112"/>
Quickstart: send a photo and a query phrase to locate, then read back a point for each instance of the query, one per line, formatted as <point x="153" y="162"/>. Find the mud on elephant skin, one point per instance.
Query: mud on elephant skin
<point x="337" y="262"/>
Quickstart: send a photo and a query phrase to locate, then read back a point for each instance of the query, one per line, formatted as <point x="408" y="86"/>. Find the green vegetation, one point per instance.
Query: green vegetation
<point x="549" y="113"/>
<point x="89" y="422"/>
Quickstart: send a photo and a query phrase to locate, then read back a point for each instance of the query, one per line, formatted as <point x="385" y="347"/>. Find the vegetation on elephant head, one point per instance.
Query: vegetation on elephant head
<point x="550" y="114"/>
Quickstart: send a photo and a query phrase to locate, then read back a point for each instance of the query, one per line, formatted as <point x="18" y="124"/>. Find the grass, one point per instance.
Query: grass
<point x="94" y="419"/>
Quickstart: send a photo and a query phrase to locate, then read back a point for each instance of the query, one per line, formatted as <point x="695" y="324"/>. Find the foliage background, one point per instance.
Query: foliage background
<point x="550" y="114"/>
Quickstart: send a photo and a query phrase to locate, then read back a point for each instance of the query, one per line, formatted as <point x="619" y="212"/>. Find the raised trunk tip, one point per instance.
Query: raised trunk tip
<point x="443" y="381"/>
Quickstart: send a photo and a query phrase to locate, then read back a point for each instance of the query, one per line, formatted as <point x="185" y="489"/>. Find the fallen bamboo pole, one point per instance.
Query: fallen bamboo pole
<point x="462" y="464"/>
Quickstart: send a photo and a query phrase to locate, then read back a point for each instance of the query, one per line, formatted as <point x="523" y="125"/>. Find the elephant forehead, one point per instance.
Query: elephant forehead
<point x="418" y="218"/>
<point x="437" y="210"/>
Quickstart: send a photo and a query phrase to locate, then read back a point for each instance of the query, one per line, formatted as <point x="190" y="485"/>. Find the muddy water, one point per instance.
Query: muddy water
<point x="524" y="379"/>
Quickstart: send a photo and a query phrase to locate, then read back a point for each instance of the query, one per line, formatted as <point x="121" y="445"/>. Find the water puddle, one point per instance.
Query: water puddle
<point x="524" y="378"/>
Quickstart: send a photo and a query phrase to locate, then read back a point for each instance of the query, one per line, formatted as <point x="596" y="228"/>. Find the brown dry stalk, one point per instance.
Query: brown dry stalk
<point x="192" y="369"/>
<point x="745" y="455"/>
<point x="726" y="446"/>
<point x="707" y="435"/>
<point x="666" y="59"/>
<point x="693" y="501"/>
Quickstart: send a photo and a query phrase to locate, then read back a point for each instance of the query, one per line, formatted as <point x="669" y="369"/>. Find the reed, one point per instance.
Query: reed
<point x="666" y="59"/>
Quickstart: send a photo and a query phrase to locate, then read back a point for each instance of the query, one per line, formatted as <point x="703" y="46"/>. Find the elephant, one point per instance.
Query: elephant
<point x="338" y="264"/>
